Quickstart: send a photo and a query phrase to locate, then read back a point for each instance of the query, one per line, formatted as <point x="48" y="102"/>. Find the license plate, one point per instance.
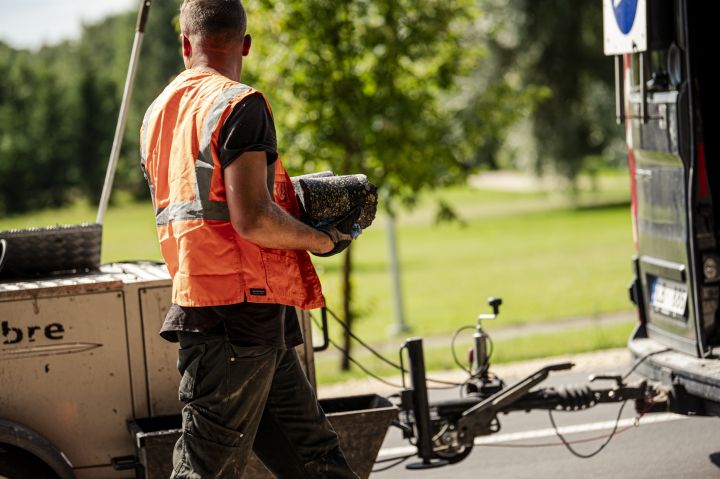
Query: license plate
<point x="669" y="297"/>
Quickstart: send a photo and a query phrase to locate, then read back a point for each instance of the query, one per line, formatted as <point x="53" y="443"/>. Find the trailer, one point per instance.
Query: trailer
<point x="89" y="389"/>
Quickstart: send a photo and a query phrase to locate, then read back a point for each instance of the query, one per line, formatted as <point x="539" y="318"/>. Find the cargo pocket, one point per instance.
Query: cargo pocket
<point x="188" y="362"/>
<point x="210" y="449"/>
<point x="282" y="274"/>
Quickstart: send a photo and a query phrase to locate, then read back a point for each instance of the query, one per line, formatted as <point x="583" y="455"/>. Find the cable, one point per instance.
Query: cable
<point x="352" y="360"/>
<point x="452" y="348"/>
<point x="491" y="350"/>
<point x="597" y="451"/>
<point x="367" y="371"/>
<point x="363" y="368"/>
<point x="375" y="353"/>
<point x="614" y="431"/>
<point x="577" y="441"/>
<point x="363" y="343"/>
<point x="450" y="384"/>
<point x="641" y="360"/>
<point x="397" y="462"/>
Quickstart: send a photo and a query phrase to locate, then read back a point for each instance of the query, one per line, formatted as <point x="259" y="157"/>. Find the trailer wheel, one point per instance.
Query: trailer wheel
<point x="17" y="463"/>
<point x="453" y="456"/>
<point x="446" y="445"/>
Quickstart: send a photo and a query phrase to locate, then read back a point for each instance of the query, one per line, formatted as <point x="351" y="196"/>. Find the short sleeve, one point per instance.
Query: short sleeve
<point x="250" y="127"/>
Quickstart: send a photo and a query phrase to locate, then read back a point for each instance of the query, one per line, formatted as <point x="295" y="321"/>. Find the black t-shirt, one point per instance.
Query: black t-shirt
<point x="250" y="127"/>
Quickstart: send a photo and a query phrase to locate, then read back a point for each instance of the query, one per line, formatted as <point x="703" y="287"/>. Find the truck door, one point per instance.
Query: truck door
<point x="662" y="86"/>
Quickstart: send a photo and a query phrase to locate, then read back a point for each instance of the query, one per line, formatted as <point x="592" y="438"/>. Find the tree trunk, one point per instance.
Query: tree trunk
<point x="347" y="307"/>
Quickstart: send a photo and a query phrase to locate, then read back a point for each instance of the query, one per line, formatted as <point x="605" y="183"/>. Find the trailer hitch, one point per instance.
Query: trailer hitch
<point x="444" y="431"/>
<point x="477" y="420"/>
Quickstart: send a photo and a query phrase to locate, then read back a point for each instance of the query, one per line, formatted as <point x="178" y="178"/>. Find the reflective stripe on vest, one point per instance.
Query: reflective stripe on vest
<point x="201" y="207"/>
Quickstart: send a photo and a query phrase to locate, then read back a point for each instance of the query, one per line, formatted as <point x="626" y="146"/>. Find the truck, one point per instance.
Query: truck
<point x="663" y="100"/>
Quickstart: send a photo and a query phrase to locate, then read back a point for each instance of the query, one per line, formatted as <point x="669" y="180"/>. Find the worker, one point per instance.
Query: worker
<point x="226" y="220"/>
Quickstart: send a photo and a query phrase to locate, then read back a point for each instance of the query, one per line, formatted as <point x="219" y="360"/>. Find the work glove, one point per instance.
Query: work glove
<point x="341" y="231"/>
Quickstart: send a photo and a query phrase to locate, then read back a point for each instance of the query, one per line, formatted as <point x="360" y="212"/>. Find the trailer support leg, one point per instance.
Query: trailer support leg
<point x="421" y="409"/>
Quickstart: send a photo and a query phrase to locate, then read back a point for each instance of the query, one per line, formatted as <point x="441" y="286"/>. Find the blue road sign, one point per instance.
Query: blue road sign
<point x="625" y="11"/>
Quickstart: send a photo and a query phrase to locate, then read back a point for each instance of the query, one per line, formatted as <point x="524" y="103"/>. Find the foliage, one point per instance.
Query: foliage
<point x="559" y="46"/>
<point x="377" y="87"/>
<point x="33" y="133"/>
<point x="59" y="106"/>
<point x="415" y="94"/>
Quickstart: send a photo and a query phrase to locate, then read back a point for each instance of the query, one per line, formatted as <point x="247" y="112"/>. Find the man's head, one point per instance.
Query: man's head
<point x="213" y="32"/>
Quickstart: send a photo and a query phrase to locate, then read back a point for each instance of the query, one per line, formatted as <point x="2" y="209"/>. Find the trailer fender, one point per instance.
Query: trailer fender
<point x="17" y="435"/>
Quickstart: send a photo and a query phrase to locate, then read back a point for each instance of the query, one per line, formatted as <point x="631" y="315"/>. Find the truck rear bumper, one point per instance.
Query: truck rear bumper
<point x="694" y="381"/>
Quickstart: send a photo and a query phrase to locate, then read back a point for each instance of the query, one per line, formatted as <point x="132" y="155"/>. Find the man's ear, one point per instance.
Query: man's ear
<point x="186" y="47"/>
<point x="247" y="42"/>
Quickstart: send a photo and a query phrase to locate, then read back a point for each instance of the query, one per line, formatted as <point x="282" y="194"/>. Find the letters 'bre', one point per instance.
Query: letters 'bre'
<point x="15" y="335"/>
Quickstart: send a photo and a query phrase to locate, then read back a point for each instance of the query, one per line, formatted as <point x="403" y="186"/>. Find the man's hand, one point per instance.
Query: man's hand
<point x="256" y="217"/>
<point x="341" y="231"/>
<point x="328" y="245"/>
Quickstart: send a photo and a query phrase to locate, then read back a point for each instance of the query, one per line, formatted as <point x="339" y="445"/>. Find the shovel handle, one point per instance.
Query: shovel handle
<point x="143" y="15"/>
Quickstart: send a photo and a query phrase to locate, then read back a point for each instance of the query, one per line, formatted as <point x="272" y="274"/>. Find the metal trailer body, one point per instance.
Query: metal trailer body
<point x="663" y="60"/>
<point x="81" y="354"/>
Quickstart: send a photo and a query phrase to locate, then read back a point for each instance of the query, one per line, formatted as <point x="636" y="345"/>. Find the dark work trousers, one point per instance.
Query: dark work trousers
<point x="250" y="398"/>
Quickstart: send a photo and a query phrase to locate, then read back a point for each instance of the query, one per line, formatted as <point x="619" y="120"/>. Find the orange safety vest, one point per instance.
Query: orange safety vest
<point x="209" y="262"/>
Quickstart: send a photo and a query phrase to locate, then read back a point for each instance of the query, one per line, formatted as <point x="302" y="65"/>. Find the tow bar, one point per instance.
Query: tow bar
<point x="444" y="431"/>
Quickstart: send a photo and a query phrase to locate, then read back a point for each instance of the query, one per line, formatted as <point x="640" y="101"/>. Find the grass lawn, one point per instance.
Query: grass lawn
<point x="547" y="258"/>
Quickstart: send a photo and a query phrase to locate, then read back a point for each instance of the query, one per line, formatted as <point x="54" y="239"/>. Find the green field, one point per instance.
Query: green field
<point x="548" y="258"/>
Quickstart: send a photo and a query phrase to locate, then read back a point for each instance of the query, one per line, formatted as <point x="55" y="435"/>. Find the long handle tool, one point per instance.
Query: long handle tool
<point x="127" y="94"/>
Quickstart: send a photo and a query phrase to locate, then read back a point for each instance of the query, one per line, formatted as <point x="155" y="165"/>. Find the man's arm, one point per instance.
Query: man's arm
<point x="257" y="218"/>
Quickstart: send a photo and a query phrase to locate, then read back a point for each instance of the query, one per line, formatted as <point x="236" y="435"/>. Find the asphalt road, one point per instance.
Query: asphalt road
<point x="662" y="446"/>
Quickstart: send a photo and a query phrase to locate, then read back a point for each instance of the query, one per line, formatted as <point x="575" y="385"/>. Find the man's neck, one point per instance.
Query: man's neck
<point x="221" y="64"/>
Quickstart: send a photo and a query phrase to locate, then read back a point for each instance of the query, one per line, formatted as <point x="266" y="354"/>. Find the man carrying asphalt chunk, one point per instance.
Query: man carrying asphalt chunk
<point x="226" y="219"/>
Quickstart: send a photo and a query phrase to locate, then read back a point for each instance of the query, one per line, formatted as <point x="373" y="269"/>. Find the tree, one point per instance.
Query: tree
<point x="16" y="90"/>
<point x="34" y="153"/>
<point x="561" y="47"/>
<point x="103" y="53"/>
<point x="96" y="103"/>
<point x="365" y="86"/>
<point x="59" y="106"/>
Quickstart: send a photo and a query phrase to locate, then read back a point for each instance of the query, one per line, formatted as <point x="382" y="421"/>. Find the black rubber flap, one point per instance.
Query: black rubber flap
<point x="39" y="251"/>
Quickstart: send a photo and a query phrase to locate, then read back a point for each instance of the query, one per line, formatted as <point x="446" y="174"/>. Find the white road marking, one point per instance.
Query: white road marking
<point x="541" y="433"/>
